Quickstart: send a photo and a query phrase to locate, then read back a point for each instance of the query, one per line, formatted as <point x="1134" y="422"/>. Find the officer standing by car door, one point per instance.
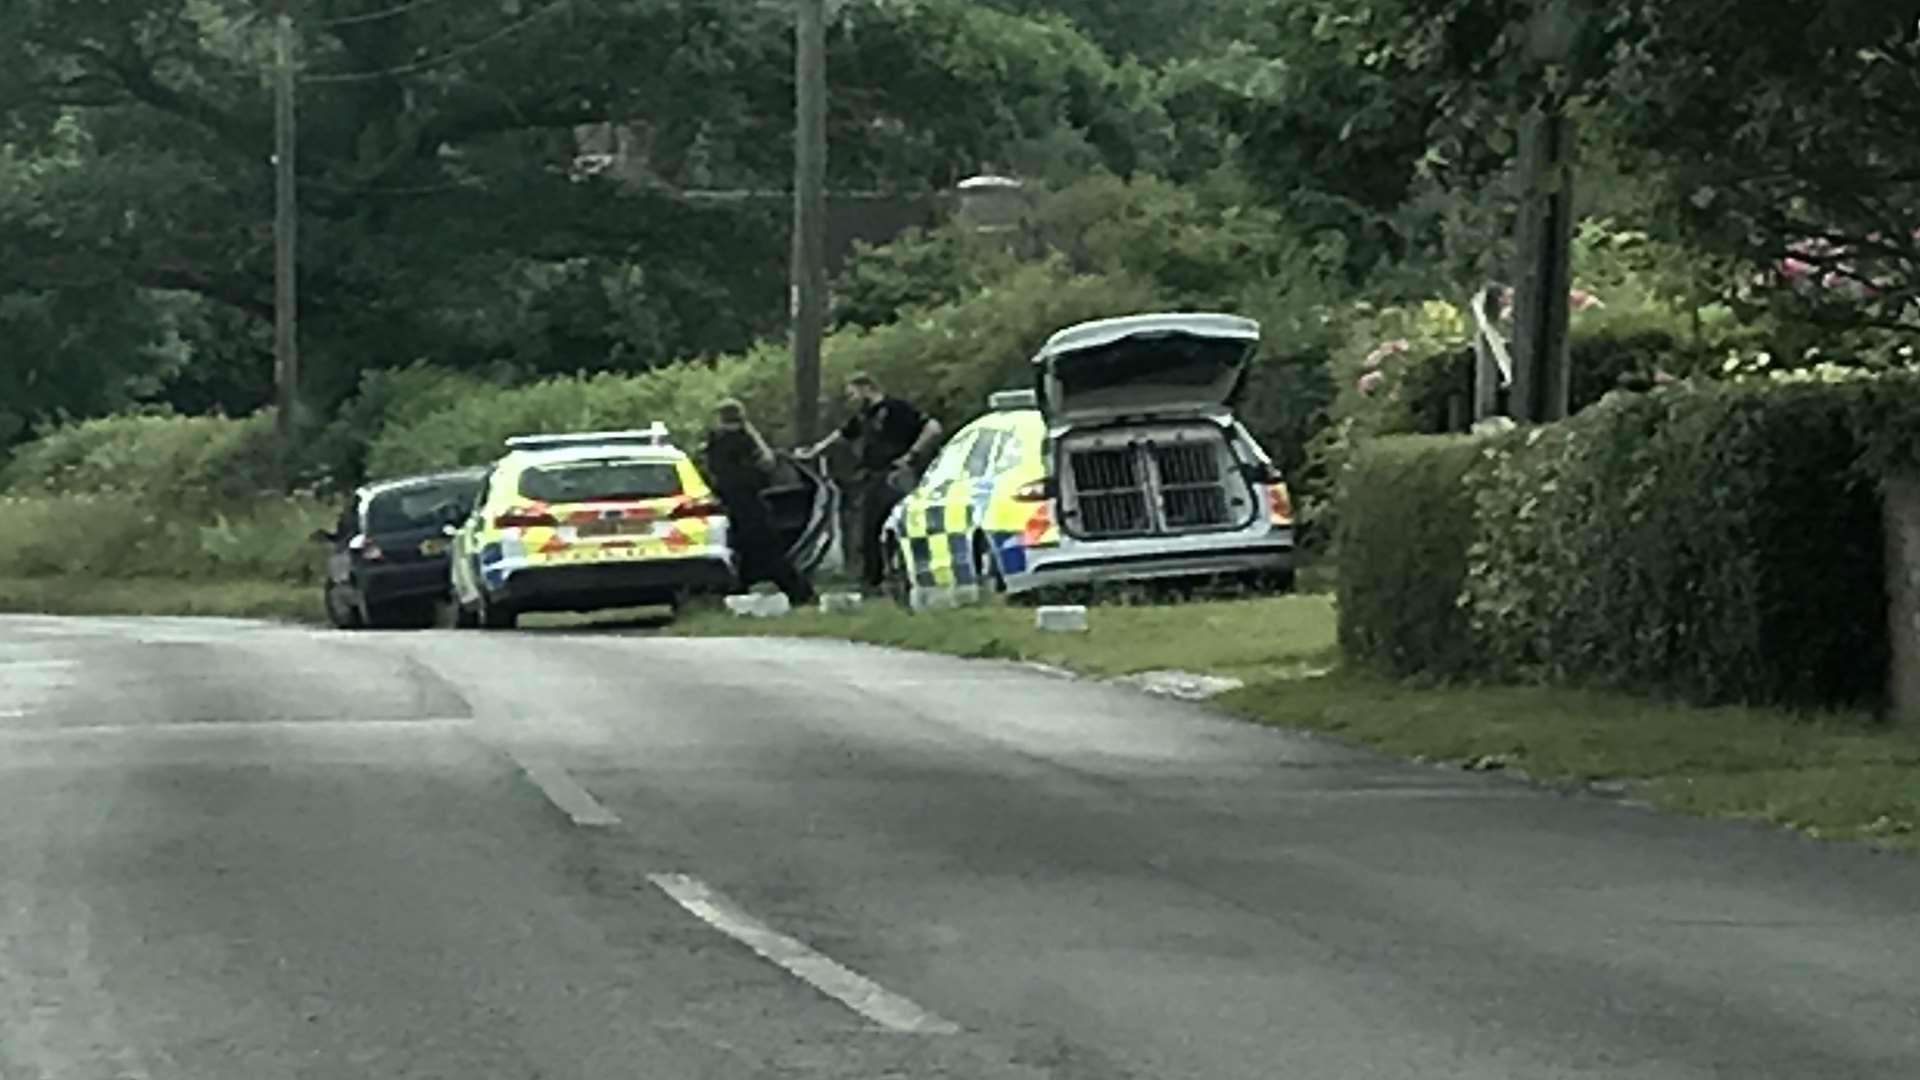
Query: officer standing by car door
<point x="739" y="463"/>
<point x="893" y="437"/>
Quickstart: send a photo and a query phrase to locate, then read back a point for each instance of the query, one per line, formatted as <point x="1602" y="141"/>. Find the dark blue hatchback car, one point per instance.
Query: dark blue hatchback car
<point x="388" y="566"/>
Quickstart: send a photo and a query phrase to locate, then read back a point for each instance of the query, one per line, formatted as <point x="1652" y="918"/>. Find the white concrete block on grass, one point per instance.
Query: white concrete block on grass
<point x="759" y="605"/>
<point x="841" y="603"/>
<point x="1061" y="619"/>
<point x="942" y="597"/>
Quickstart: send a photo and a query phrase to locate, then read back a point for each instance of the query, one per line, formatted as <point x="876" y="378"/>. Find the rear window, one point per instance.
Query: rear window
<point x="602" y="480"/>
<point x="423" y="507"/>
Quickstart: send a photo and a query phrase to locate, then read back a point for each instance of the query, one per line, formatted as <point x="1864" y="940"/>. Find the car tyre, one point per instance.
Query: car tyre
<point x="986" y="566"/>
<point x="1275" y="581"/>
<point x="899" y="584"/>
<point x="496" y="616"/>
<point x="341" y="615"/>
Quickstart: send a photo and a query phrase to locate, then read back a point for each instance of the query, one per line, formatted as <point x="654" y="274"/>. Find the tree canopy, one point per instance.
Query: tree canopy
<point x="448" y="212"/>
<point x="444" y="214"/>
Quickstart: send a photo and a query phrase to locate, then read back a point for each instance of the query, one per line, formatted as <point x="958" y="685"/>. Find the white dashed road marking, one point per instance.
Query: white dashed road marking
<point x="566" y="793"/>
<point x="850" y="988"/>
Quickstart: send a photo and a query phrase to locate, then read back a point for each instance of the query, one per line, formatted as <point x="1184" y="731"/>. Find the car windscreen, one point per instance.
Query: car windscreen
<point x="419" y="507"/>
<point x="600" y="480"/>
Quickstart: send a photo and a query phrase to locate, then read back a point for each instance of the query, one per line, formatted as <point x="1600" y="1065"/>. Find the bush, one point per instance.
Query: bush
<point x="155" y="458"/>
<point x="1717" y="542"/>
<point x="386" y="398"/>
<point x="126" y="538"/>
<point x="948" y="358"/>
<point x="1406" y="525"/>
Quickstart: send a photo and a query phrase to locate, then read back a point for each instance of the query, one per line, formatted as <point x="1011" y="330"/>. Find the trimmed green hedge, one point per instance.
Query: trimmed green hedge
<point x="1405" y="527"/>
<point x="1720" y="543"/>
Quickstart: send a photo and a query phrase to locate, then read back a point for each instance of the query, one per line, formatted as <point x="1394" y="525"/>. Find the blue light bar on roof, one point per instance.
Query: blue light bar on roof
<point x="653" y="435"/>
<point x="1013" y="400"/>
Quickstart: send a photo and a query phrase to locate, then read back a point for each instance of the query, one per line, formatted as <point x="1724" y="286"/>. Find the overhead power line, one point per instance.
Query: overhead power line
<point x="376" y="16"/>
<point x="447" y="57"/>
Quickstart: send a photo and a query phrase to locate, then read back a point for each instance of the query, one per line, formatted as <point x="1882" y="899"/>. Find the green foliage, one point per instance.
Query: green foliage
<point x="1717" y="543"/>
<point x="948" y="358"/>
<point x="1406" y="525"/>
<point x="920" y="268"/>
<point x="386" y="399"/>
<point x="105" y="536"/>
<point x="1185" y="247"/>
<point x="155" y="459"/>
<point x="445" y="205"/>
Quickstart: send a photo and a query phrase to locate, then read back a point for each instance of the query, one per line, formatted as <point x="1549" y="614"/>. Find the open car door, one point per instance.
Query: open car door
<point x="805" y="505"/>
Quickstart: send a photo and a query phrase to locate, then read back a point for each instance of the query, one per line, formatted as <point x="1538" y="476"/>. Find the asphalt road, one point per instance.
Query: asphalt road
<point x="232" y="850"/>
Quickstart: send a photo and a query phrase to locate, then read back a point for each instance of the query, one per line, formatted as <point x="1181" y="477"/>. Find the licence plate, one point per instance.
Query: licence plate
<point x="433" y="548"/>
<point x="594" y="530"/>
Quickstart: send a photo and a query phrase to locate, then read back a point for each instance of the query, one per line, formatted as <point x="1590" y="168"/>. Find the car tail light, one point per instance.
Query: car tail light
<point x="1280" y="503"/>
<point x="518" y="518"/>
<point x="363" y="546"/>
<point x="698" y="508"/>
<point x="1036" y="491"/>
<point x="1040" y="527"/>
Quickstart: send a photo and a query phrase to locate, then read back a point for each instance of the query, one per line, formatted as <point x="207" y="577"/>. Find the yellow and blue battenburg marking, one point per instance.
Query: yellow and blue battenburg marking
<point x="938" y="535"/>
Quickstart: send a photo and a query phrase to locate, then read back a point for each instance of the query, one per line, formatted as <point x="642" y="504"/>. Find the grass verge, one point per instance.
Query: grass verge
<point x="1839" y="776"/>
<point x="160" y="596"/>
<point x="1238" y="638"/>
<point x="1835" y="776"/>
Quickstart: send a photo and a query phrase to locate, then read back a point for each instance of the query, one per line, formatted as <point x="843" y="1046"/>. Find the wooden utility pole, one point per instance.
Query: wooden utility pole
<point x="286" y="298"/>
<point x="809" y="300"/>
<point x="1544" y="255"/>
<point x="1544" y="232"/>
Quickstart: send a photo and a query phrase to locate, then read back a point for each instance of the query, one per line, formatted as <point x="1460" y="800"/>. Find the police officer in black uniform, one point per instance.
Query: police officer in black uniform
<point x="739" y="464"/>
<point x="893" y="437"/>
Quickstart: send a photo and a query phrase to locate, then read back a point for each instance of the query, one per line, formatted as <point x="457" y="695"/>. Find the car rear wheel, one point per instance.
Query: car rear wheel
<point x="342" y="614"/>
<point x="1274" y="581"/>
<point x="899" y="584"/>
<point x="495" y="616"/>
<point x="986" y="566"/>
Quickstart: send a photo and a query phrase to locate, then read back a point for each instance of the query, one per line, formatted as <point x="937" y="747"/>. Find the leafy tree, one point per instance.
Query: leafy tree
<point x="1779" y="130"/>
<point x="444" y="213"/>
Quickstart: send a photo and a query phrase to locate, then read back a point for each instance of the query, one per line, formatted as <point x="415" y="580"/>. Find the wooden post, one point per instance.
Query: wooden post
<point x="1486" y="355"/>
<point x="1901" y="514"/>
<point x="809" y="214"/>
<point x="1544" y="232"/>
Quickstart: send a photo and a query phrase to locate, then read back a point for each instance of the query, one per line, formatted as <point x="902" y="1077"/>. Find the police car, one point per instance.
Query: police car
<point x="597" y="520"/>
<point x="1126" y="463"/>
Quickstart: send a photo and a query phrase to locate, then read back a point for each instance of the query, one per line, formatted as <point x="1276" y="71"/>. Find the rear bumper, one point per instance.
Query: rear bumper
<point x="1083" y="564"/>
<point x="596" y="586"/>
<point x="417" y="581"/>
